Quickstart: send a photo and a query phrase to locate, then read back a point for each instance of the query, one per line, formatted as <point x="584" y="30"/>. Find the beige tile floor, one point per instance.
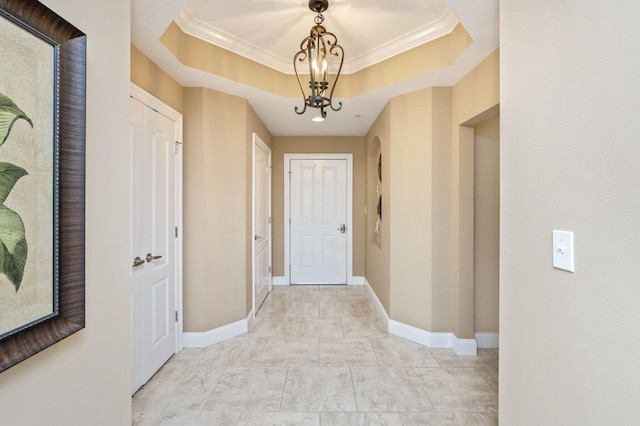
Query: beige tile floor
<point x="320" y="355"/>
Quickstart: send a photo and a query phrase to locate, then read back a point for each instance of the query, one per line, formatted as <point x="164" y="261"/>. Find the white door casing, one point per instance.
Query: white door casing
<point x="156" y="284"/>
<point x="318" y="210"/>
<point x="261" y="222"/>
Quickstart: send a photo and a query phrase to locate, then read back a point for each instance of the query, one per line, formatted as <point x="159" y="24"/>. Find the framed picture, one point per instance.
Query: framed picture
<point x="42" y="179"/>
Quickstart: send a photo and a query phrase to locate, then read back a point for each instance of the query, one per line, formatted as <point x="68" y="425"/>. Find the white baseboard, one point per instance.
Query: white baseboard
<point x="251" y="317"/>
<point x="377" y="302"/>
<point x="429" y="339"/>
<point x="217" y="335"/>
<point x="356" y="281"/>
<point x="418" y="335"/>
<point x="464" y="346"/>
<point x="488" y="340"/>
<point x="350" y="281"/>
<point x="446" y="340"/>
<point x="279" y="281"/>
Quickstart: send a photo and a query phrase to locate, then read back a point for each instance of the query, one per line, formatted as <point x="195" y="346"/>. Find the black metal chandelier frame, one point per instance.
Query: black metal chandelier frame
<point x="318" y="49"/>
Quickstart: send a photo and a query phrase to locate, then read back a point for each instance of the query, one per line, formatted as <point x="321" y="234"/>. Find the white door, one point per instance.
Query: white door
<point x="318" y="204"/>
<point x="153" y="241"/>
<point x="261" y="222"/>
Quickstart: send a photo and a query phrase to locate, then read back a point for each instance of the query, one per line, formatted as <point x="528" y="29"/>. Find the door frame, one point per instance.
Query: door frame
<point x="156" y="104"/>
<point x="287" y="209"/>
<point x="257" y="142"/>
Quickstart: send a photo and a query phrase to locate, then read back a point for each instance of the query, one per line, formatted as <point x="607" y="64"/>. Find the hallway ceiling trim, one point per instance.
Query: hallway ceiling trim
<point x="392" y="36"/>
<point x="375" y="28"/>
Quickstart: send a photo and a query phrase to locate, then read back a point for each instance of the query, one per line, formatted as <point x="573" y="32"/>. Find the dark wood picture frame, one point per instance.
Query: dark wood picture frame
<point x="68" y="315"/>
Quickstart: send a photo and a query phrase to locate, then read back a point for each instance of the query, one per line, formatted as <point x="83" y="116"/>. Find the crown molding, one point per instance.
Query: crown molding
<point x="204" y="31"/>
<point x="419" y="36"/>
<point x="211" y="34"/>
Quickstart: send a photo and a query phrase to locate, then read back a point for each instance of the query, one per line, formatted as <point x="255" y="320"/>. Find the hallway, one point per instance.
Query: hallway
<point x="320" y="355"/>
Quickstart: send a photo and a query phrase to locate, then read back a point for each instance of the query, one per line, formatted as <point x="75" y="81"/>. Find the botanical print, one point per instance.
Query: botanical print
<point x="26" y="178"/>
<point x="13" y="245"/>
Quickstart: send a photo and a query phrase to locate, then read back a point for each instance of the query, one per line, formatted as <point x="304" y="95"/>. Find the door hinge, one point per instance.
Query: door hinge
<point x="176" y="231"/>
<point x="176" y="316"/>
<point x="269" y="219"/>
<point x="269" y="269"/>
<point x="268" y="169"/>
<point x="175" y="146"/>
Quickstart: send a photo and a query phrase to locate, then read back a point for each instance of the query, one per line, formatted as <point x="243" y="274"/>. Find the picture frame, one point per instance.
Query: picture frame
<point x="59" y="206"/>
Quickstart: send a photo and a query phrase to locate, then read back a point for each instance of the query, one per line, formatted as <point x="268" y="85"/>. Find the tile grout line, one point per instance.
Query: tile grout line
<point x="284" y="386"/>
<point x="373" y="346"/>
<point x="353" y="386"/>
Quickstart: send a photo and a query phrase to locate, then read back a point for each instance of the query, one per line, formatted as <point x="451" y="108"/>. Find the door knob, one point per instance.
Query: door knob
<point x="151" y="257"/>
<point x="257" y="237"/>
<point x="137" y="262"/>
<point x="343" y="228"/>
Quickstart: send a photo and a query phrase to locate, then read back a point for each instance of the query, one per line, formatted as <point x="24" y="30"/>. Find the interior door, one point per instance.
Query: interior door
<point x="318" y="221"/>
<point x="153" y="242"/>
<point x="262" y="224"/>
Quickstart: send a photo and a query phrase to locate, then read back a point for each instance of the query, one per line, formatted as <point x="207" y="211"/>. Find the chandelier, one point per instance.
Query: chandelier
<point x="319" y="51"/>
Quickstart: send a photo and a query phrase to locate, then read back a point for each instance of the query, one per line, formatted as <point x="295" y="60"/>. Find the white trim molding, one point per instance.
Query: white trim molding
<point x="251" y="317"/>
<point x="377" y="302"/>
<point x="488" y="340"/>
<point x="217" y="335"/>
<point x="446" y="340"/>
<point x="464" y="346"/>
<point x="356" y="281"/>
<point x="190" y="24"/>
<point x="279" y="280"/>
<point x="418" y="335"/>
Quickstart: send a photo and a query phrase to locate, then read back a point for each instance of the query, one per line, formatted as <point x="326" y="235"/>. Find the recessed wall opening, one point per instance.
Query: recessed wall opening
<point x="486" y="230"/>
<point x="374" y="192"/>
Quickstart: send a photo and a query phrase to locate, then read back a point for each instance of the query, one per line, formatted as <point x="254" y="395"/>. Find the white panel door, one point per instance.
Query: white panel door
<point x="153" y="241"/>
<point x="318" y="221"/>
<point x="261" y="222"/>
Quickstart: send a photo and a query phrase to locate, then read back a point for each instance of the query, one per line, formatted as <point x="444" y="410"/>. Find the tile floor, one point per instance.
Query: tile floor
<point x="320" y="355"/>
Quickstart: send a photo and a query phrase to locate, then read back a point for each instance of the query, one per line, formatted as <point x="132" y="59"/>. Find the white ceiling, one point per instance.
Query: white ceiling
<point x="270" y="32"/>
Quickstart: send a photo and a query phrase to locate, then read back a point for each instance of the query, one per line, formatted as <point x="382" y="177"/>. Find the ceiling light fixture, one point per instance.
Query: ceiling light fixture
<point x="321" y="51"/>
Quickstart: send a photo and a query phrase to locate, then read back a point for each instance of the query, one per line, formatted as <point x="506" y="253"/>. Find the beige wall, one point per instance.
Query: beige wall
<point x="215" y="205"/>
<point x="426" y="227"/>
<point x="475" y="98"/>
<point x="419" y="228"/>
<point x="151" y="78"/>
<point x="303" y="145"/>
<point x="486" y="225"/>
<point x="570" y="160"/>
<point x="377" y="256"/>
<point x="218" y="138"/>
<point x="154" y="80"/>
<point x="73" y="382"/>
<point x="410" y="224"/>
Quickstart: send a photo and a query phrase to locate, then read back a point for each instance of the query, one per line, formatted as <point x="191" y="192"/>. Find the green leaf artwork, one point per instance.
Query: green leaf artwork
<point x="13" y="243"/>
<point x="9" y="113"/>
<point x="13" y="246"/>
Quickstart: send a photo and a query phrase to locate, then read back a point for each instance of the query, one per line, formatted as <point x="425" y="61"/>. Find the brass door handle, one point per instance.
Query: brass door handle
<point x="137" y="262"/>
<point x="151" y="257"/>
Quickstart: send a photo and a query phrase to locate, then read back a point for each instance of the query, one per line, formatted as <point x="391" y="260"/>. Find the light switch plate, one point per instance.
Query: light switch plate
<point x="563" y="250"/>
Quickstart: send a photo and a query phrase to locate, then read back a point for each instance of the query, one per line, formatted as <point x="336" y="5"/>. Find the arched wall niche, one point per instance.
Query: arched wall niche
<point x="374" y="191"/>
